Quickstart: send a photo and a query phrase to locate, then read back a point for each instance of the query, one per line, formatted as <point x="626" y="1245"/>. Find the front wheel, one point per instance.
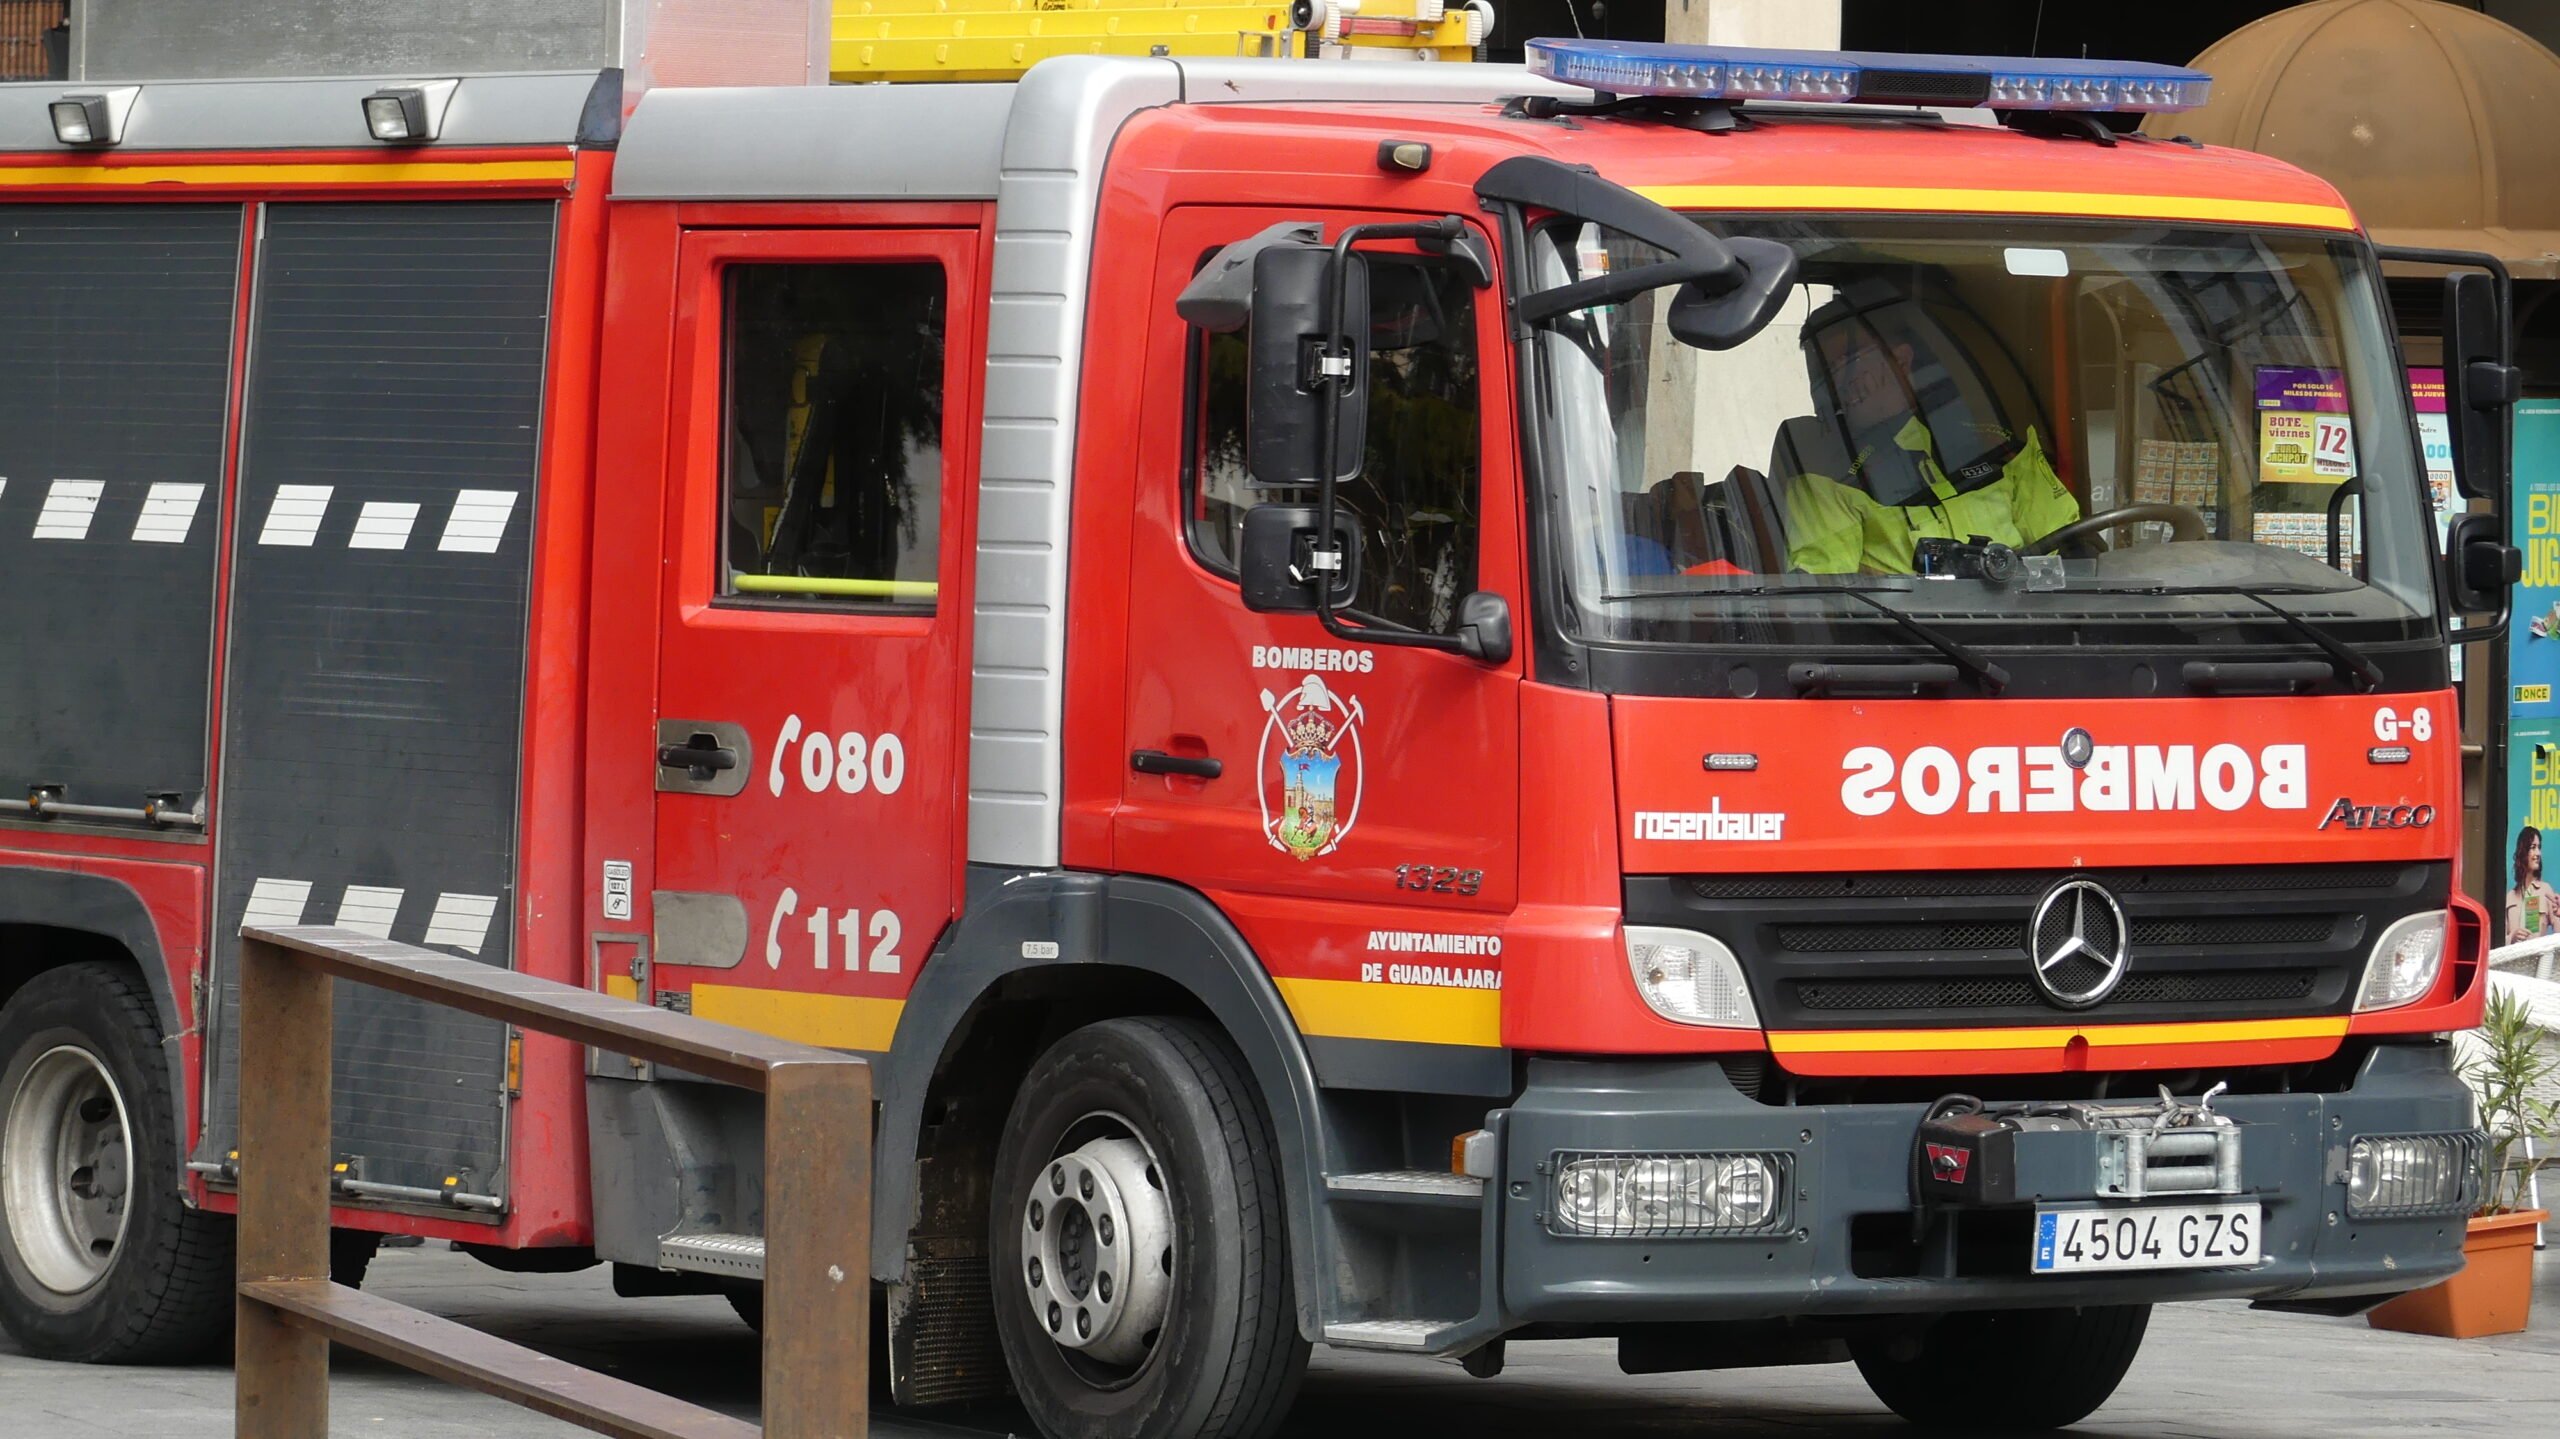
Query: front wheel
<point x="100" y="1258"/>
<point x="2006" y="1371"/>
<point x="1140" y="1239"/>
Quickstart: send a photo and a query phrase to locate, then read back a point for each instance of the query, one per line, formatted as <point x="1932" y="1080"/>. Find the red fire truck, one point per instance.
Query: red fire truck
<point x="1786" y="707"/>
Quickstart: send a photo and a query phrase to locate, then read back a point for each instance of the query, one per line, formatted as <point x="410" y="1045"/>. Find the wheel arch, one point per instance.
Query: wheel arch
<point x="1037" y="954"/>
<point x="50" y="918"/>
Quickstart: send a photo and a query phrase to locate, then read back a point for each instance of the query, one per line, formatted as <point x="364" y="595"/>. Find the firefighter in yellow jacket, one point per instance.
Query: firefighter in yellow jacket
<point x="1900" y="486"/>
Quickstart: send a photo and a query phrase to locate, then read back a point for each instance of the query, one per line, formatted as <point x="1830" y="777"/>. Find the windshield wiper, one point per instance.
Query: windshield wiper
<point x="2349" y="665"/>
<point x="1989" y="676"/>
<point x="1986" y="674"/>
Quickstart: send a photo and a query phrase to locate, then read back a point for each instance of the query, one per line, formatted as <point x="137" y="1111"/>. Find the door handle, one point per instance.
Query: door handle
<point x="1156" y="761"/>
<point x="701" y="757"/>
<point x="709" y="757"/>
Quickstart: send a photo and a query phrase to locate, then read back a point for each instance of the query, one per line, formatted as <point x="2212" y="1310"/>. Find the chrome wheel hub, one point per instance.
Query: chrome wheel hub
<point x="66" y="1169"/>
<point x="1097" y="1246"/>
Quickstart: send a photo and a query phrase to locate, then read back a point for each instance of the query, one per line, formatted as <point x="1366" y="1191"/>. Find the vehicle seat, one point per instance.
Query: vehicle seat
<point x="1700" y="528"/>
<point x="1809" y="445"/>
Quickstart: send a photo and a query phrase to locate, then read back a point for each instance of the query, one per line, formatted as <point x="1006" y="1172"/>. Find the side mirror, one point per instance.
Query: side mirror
<point x="1277" y="568"/>
<point x="1297" y="364"/>
<point x="2480" y="387"/>
<point x="1721" y="319"/>
<point x="1484" y="628"/>
<point x="2479" y="565"/>
<point x="1729" y="289"/>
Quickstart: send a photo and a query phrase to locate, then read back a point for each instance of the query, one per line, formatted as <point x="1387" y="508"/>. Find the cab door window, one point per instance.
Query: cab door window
<point x="1417" y="501"/>
<point x="831" y="462"/>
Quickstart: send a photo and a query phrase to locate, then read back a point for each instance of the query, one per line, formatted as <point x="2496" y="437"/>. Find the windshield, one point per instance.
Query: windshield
<point x="2015" y="426"/>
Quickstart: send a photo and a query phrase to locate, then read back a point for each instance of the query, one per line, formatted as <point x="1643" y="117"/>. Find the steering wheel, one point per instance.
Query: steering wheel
<point x="2185" y="523"/>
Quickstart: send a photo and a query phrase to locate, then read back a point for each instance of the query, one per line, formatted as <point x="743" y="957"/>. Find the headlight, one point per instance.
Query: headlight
<point x="2406" y="1175"/>
<point x="1689" y="977"/>
<point x="1628" y="1195"/>
<point x="2405" y="962"/>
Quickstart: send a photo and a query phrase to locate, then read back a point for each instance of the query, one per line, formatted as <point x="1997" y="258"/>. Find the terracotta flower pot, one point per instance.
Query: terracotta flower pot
<point x="2492" y="1295"/>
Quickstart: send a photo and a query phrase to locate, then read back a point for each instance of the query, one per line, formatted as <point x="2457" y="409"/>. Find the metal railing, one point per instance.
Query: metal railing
<point x="817" y="1175"/>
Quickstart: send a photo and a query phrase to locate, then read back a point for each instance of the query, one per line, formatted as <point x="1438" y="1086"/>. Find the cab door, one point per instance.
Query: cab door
<point x="1352" y="805"/>
<point x="812" y="646"/>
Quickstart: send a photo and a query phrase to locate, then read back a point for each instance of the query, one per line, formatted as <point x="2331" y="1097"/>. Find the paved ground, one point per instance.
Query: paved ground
<point x="2209" y="1372"/>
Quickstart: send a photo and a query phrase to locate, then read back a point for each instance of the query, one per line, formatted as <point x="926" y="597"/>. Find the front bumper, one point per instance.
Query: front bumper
<point x="1852" y="1202"/>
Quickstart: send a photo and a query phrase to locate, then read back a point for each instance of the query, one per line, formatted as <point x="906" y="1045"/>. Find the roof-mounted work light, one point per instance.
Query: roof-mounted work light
<point x="408" y="114"/>
<point x="1728" y="74"/>
<point x="95" y="119"/>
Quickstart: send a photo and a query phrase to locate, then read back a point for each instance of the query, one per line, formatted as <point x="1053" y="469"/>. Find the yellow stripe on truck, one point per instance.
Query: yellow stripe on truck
<point x="425" y="172"/>
<point x="2073" y="203"/>
<point x="1403" y="1013"/>
<point x="2113" y="1036"/>
<point x="829" y="1021"/>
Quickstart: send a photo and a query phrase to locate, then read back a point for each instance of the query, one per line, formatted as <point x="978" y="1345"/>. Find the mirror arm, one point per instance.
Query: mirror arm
<point x="2499" y="375"/>
<point x="1448" y="229"/>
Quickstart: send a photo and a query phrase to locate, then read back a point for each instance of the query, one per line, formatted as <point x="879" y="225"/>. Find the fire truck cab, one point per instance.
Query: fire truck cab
<point x="1784" y="707"/>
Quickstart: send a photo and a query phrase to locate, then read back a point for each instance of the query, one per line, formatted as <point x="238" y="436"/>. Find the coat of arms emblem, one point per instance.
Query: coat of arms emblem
<point x="1309" y="768"/>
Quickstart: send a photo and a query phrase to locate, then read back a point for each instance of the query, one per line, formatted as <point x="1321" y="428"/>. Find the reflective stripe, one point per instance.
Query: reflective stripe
<point x="830" y="1021"/>
<point x="276" y="903"/>
<point x="168" y="514"/>
<point x="2110" y="1036"/>
<point x="817" y="585"/>
<point x="369" y="909"/>
<point x="461" y="921"/>
<point x="69" y="507"/>
<point x="1403" y="1013"/>
<point x="281" y="176"/>
<point x="2072" y="203"/>
<point x="383" y="525"/>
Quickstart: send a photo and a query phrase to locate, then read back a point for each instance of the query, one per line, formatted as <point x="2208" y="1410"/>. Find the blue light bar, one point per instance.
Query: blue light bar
<point x="1716" y="72"/>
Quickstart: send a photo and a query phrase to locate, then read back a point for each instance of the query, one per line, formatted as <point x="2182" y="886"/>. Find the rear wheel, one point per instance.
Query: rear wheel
<point x="2006" y="1371"/>
<point x="1140" y="1241"/>
<point x="100" y="1259"/>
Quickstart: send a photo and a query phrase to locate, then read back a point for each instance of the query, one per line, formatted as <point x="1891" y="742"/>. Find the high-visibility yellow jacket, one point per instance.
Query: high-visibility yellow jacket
<point x="1838" y="529"/>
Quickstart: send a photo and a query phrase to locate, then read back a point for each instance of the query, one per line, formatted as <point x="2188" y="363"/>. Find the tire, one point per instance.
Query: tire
<point x="747" y="1302"/>
<point x="2006" y="1371"/>
<point x="351" y="1254"/>
<point x="88" y="1273"/>
<point x="1203" y="1342"/>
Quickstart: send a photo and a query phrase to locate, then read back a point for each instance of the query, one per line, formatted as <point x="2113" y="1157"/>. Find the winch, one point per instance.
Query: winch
<point x="1967" y="1153"/>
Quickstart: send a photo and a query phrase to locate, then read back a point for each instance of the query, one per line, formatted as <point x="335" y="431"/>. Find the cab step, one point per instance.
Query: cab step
<point x="1407" y="1336"/>
<point x="731" y="1256"/>
<point x="1432" y="1187"/>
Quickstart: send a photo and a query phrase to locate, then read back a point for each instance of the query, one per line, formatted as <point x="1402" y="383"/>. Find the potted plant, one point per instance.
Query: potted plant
<point x="2494" y="1292"/>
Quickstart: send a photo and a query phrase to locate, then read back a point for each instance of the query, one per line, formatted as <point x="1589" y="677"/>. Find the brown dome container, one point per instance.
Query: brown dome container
<point x="2440" y="125"/>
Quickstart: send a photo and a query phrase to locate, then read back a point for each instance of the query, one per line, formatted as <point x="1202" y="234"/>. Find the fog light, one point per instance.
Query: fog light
<point x="1689" y="977"/>
<point x="2409" y="1175"/>
<point x="1669" y="1194"/>
<point x="2404" y="963"/>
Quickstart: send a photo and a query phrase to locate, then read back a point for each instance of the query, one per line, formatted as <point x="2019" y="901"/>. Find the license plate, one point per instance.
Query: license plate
<point x="2154" y="1236"/>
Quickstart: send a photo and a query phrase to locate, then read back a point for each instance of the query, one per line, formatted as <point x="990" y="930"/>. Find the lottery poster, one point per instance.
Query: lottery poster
<point x="2435" y="440"/>
<point x="2435" y="436"/>
<point x="2305" y="434"/>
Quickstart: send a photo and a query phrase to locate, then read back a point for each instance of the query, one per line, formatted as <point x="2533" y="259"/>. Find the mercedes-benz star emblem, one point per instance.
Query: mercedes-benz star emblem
<point x="2077" y="943"/>
<point x="2077" y="747"/>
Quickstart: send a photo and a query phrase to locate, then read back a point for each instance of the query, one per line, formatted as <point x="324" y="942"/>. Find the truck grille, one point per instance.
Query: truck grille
<point x="2146" y="933"/>
<point x="1949" y="948"/>
<point x="1906" y="994"/>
